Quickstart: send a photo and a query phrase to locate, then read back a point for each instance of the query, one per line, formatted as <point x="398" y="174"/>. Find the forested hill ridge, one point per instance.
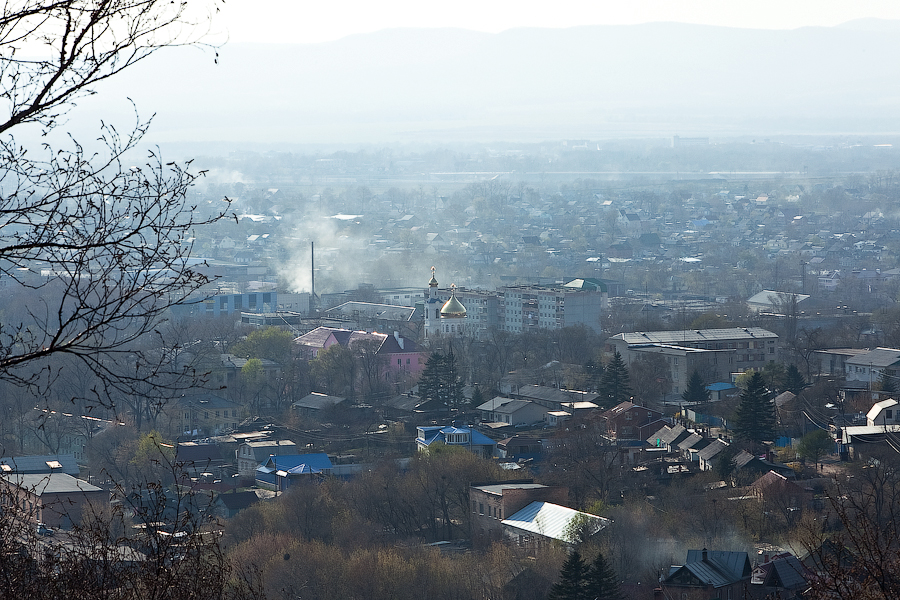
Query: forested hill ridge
<point x="525" y="84"/>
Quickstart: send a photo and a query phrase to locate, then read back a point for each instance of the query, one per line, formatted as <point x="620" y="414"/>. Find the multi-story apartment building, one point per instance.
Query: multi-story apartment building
<point x="714" y="353"/>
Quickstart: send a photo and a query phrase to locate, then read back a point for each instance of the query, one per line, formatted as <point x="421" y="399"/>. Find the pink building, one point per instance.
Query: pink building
<point x="401" y="357"/>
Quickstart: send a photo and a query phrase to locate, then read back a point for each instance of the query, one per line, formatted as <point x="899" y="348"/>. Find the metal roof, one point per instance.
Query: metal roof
<point x="497" y="488"/>
<point x="50" y="483"/>
<point x="550" y="520"/>
<point x="41" y="464"/>
<point x="713" y="449"/>
<point x="879" y="357"/>
<point x="287" y="463"/>
<point x="720" y="567"/>
<point x="695" y="335"/>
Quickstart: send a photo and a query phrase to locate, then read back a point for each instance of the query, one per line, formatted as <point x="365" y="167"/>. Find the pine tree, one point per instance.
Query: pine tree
<point x="696" y="391"/>
<point x="440" y="381"/>
<point x="431" y="379"/>
<point x="477" y="398"/>
<point x="754" y="420"/>
<point x="572" y="580"/>
<point x="615" y="386"/>
<point x="793" y="380"/>
<point x="601" y="582"/>
<point x="453" y="381"/>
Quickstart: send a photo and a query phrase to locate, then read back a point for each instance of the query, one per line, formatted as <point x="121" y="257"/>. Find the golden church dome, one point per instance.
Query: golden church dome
<point x="453" y="308"/>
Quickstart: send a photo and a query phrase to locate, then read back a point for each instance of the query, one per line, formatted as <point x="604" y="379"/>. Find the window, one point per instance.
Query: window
<point x="217" y="414"/>
<point x="480" y="508"/>
<point x="206" y="414"/>
<point x="888" y="414"/>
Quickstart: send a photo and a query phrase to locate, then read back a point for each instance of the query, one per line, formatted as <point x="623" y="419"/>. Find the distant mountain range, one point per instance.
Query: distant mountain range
<point x="522" y="84"/>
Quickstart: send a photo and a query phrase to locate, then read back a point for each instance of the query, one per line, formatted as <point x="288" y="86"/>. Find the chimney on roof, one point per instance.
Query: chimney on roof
<point x="704" y="555"/>
<point x="399" y="339"/>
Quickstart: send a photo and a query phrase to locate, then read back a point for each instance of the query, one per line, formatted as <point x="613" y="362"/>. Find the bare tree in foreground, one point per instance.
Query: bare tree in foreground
<point x="93" y="250"/>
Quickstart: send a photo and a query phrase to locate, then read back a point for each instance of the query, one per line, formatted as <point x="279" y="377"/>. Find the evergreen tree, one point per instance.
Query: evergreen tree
<point x="754" y="420"/>
<point x="453" y="381"/>
<point x="431" y="379"/>
<point x="440" y="381"/>
<point x="477" y="398"/>
<point x="601" y="582"/>
<point x="725" y="465"/>
<point x="572" y="580"/>
<point x="793" y="380"/>
<point x="615" y="386"/>
<point x="696" y="389"/>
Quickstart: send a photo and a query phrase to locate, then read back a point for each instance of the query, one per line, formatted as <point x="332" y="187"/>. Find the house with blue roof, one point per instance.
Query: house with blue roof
<point x="466" y="437"/>
<point x="278" y="473"/>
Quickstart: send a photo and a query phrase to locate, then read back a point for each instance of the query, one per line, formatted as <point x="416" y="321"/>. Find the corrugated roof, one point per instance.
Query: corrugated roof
<point x="549" y="520"/>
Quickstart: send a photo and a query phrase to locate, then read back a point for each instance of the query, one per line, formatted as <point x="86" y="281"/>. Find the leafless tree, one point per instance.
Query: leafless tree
<point x="100" y="248"/>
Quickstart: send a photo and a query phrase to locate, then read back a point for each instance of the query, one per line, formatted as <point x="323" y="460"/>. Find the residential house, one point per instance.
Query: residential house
<point x="451" y="435"/>
<point x="717" y="574"/>
<point x="49" y="463"/>
<point x="313" y="404"/>
<point x="630" y="421"/>
<point x="669" y="437"/>
<point x="55" y="499"/>
<point x="280" y="472"/>
<point x="205" y="415"/>
<point x="520" y="447"/>
<point x="200" y="458"/>
<point x="691" y="446"/>
<point x="867" y="368"/>
<point x="549" y="397"/>
<point x="226" y="373"/>
<point x="833" y="361"/>
<point x="512" y="412"/>
<point x="780" y="493"/>
<point x="251" y="454"/>
<point x="399" y="357"/>
<point x="229" y="504"/>
<point x="780" y="576"/>
<point x="493" y="501"/>
<point x="708" y="456"/>
<point x="883" y="413"/>
<point x="540" y="524"/>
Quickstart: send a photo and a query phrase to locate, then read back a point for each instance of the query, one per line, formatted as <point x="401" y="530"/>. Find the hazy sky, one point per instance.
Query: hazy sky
<point x="306" y="21"/>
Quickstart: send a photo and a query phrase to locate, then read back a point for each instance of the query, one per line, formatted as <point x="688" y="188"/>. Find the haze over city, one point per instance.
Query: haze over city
<point x="474" y="301"/>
